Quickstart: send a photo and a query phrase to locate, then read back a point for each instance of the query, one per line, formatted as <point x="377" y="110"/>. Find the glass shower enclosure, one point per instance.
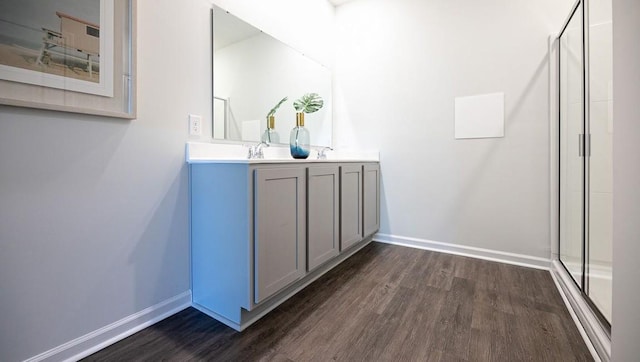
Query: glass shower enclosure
<point x="585" y="128"/>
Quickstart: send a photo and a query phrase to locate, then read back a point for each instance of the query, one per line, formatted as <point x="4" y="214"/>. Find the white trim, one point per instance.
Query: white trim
<point x="586" y="319"/>
<point x="554" y="136"/>
<point x="575" y="318"/>
<point x="94" y="341"/>
<point x="470" y="251"/>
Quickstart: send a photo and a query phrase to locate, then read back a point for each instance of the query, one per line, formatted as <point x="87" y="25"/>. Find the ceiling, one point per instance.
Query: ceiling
<point x="229" y="29"/>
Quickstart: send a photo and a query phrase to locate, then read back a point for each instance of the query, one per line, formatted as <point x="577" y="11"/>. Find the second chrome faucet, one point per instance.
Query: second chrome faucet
<point x="322" y="153"/>
<point x="256" y="151"/>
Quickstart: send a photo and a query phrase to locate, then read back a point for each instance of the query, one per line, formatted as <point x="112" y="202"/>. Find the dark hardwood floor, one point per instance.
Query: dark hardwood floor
<point x="386" y="303"/>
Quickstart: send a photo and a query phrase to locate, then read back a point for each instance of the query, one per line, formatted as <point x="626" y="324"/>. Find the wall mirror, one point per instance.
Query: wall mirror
<point x="252" y="72"/>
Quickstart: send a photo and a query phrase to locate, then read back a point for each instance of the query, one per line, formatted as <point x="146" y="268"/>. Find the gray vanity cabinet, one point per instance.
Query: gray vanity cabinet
<point x="280" y="235"/>
<point x="323" y="238"/>
<point x="350" y="205"/>
<point x="260" y="232"/>
<point x="371" y="198"/>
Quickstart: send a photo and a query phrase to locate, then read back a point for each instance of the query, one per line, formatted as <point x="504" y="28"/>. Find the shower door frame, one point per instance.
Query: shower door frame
<point x="586" y="155"/>
<point x="593" y="325"/>
<point x="584" y="232"/>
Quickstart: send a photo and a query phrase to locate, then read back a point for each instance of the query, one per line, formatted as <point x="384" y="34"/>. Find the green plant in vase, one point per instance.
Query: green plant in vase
<point x="270" y="135"/>
<point x="299" y="141"/>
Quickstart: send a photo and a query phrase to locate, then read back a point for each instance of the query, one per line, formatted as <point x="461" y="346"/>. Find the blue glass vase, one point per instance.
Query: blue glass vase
<point x="299" y="141"/>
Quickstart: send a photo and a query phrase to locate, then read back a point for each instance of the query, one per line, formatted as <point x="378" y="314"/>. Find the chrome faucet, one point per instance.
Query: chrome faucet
<point x="322" y="155"/>
<point x="256" y="152"/>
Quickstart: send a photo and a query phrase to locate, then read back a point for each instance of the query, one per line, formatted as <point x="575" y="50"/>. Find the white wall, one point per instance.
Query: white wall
<point x="626" y="178"/>
<point x="399" y="65"/>
<point x="93" y="210"/>
<point x="256" y="73"/>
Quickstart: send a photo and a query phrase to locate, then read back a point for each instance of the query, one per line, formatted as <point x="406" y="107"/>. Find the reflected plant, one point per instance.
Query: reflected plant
<point x="274" y="109"/>
<point x="266" y="137"/>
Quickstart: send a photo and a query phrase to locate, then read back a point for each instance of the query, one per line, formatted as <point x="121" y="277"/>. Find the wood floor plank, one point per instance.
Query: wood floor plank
<point x="487" y="318"/>
<point x="418" y="327"/>
<point x="456" y="317"/>
<point x="417" y="274"/>
<point x="385" y="303"/>
<point x="441" y="271"/>
<point x="318" y="331"/>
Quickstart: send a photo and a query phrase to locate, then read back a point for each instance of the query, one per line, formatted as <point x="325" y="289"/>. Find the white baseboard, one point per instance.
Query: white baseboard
<point x="575" y="318"/>
<point x="470" y="251"/>
<point x="92" y="342"/>
<point x="595" y="334"/>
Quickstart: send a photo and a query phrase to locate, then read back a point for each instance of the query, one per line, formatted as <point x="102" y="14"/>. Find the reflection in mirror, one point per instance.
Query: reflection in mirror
<point x="252" y="72"/>
<point x="219" y="117"/>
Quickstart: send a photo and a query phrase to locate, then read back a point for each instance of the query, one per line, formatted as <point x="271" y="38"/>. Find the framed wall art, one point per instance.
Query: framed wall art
<point x="69" y="55"/>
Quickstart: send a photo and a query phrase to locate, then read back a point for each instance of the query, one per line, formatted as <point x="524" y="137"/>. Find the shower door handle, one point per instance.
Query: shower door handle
<point x="580" y="145"/>
<point x="584" y="145"/>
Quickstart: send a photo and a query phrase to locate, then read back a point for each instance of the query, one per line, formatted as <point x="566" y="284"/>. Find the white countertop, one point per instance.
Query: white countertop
<point x="206" y="152"/>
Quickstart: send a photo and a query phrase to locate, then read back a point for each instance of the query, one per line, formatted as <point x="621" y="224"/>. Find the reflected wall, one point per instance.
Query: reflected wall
<point x="252" y="72"/>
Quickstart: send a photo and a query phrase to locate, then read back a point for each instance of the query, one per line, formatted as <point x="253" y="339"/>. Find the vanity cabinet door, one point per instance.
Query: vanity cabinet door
<point x="279" y="221"/>
<point x="323" y="239"/>
<point x="350" y="205"/>
<point x="371" y="198"/>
